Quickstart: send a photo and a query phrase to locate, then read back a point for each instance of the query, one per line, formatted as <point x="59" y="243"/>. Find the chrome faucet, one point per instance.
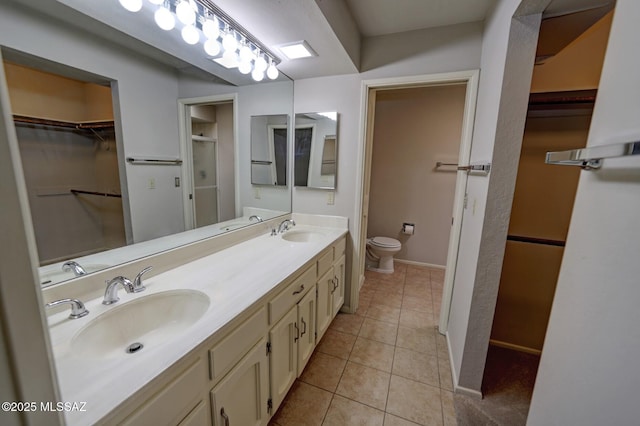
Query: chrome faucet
<point x="111" y="293"/>
<point x="137" y="281"/>
<point x="284" y="225"/>
<point x="256" y="217"/>
<point x="77" y="307"/>
<point x="73" y="266"/>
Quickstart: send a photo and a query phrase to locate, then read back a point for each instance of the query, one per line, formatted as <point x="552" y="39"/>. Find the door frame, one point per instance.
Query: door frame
<point x="184" y="131"/>
<point x="471" y="79"/>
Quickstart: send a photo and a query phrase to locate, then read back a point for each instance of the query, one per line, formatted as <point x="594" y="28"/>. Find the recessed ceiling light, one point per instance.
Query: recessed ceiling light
<point x="227" y="61"/>
<point x="297" y="50"/>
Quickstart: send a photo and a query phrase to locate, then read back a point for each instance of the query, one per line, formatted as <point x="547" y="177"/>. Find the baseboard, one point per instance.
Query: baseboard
<point x="411" y="262"/>
<point x="515" y="347"/>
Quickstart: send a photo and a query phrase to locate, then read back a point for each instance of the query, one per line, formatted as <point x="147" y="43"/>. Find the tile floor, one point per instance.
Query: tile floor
<point x="385" y="365"/>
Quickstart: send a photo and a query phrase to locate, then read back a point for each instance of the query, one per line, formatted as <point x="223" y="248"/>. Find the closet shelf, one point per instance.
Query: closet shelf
<point x="199" y="138"/>
<point x="101" y="194"/>
<point x="80" y="125"/>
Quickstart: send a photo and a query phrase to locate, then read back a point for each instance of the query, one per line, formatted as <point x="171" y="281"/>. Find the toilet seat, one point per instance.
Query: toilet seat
<point x="385" y="242"/>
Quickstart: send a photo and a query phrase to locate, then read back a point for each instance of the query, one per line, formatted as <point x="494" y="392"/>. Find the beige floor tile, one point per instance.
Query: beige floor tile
<point x="396" y="287"/>
<point x="416" y="319"/>
<point x="372" y="354"/>
<point x="444" y="369"/>
<point x="416" y="280"/>
<point x="383" y="298"/>
<point x="324" y="371"/>
<point x="391" y="420"/>
<point x="417" y="304"/>
<point x="305" y="405"/>
<point x="418" y="271"/>
<point x="379" y="331"/>
<point x="384" y="313"/>
<point x="365" y="385"/>
<point x="437" y="275"/>
<point x="414" y="401"/>
<point x="416" y="339"/>
<point x="418" y="290"/>
<point x="347" y="323"/>
<point x="448" y="409"/>
<point x="336" y="343"/>
<point x="416" y="366"/>
<point x="345" y="412"/>
<point x="363" y="307"/>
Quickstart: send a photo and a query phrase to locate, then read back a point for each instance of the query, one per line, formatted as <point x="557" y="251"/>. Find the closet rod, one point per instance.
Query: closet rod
<point x="67" y="124"/>
<point x="102" y="194"/>
<point x="154" y="161"/>
<point x="534" y="240"/>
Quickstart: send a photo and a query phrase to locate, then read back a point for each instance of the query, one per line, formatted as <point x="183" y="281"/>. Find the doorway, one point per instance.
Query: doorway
<point x="207" y="128"/>
<point x="370" y="90"/>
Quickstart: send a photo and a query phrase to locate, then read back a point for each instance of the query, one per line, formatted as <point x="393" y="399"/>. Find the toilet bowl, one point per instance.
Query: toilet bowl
<point x="380" y="252"/>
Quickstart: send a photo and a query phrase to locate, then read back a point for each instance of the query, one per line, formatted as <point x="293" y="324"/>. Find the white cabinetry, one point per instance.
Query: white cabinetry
<point x="330" y="286"/>
<point x="292" y="339"/>
<point x="242" y="397"/>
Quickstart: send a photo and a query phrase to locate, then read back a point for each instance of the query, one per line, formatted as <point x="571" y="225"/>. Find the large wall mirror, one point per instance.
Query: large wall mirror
<point x="316" y="150"/>
<point x="111" y="174"/>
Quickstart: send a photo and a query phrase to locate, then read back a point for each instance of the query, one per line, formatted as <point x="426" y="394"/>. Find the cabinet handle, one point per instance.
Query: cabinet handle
<point x="304" y="330"/>
<point x="299" y="291"/>
<point x="224" y="416"/>
<point x="335" y="283"/>
<point x="295" y="339"/>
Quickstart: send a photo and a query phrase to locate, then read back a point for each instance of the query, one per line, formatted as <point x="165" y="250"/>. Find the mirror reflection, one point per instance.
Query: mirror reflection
<point x="109" y="183"/>
<point x="316" y="150"/>
<point x="269" y="137"/>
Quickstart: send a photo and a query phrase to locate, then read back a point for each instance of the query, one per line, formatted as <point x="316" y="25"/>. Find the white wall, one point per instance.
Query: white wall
<point x="589" y="371"/>
<point x="145" y="103"/>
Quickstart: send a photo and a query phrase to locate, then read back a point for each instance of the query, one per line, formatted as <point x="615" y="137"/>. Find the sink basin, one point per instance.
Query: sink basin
<point x="140" y="325"/>
<point x="301" y="236"/>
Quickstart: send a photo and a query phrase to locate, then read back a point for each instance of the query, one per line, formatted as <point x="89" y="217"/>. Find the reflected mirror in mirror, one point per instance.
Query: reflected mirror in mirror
<point x="269" y="136"/>
<point x="316" y="150"/>
<point x="106" y="187"/>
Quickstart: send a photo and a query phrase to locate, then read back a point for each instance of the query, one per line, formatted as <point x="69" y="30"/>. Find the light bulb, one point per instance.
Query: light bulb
<point x="185" y="13"/>
<point x="211" y="28"/>
<point x="131" y="5"/>
<point x="158" y="2"/>
<point x="246" y="54"/>
<point x="244" y="67"/>
<point x="164" y="19"/>
<point x="257" y="75"/>
<point x="190" y="34"/>
<point x="229" y="42"/>
<point x="272" y="71"/>
<point x="212" y="47"/>
<point x="231" y="58"/>
<point x="261" y="64"/>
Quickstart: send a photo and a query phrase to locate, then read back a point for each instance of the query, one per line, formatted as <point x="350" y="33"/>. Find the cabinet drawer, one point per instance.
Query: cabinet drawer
<point x="281" y="304"/>
<point x="339" y="249"/>
<point x="175" y="401"/>
<point x="229" y="351"/>
<point x="325" y="261"/>
<point x="198" y="416"/>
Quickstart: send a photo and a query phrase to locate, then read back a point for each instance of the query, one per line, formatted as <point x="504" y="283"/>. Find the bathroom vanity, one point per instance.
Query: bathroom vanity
<point x="222" y="338"/>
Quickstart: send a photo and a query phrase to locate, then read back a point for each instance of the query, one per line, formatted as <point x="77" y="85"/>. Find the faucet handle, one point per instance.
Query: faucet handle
<point x="137" y="282"/>
<point x="78" y="309"/>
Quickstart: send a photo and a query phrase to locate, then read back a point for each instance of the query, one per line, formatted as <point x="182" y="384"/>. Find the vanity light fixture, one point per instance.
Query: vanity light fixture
<point x="224" y="40"/>
<point x="297" y="50"/>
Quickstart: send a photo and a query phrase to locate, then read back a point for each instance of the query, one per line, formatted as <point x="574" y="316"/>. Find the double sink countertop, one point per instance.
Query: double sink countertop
<point x="233" y="280"/>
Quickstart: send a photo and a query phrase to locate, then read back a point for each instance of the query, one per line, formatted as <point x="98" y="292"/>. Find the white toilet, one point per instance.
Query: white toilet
<point x="380" y="252"/>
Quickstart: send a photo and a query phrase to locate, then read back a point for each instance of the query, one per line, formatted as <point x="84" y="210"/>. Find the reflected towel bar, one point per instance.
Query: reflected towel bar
<point x="591" y="158"/>
<point x="485" y="168"/>
<point x="154" y="161"/>
<point x="262" y="163"/>
<point x="101" y="194"/>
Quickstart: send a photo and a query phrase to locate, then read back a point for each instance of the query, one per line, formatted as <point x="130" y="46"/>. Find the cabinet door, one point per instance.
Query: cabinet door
<point x="241" y="398"/>
<point x="307" y="326"/>
<point x="284" y="355"/>
<point x="325" y="303"/>
<point x="338" y="292"/>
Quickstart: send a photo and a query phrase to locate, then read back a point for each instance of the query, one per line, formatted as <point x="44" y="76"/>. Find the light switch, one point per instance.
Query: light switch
<point x="331" y="198"/>
<point x="256" y="193"/>
<point x="152" y="183"/>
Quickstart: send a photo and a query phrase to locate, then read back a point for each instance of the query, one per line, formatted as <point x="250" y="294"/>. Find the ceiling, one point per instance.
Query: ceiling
<point x="334" y="28"/>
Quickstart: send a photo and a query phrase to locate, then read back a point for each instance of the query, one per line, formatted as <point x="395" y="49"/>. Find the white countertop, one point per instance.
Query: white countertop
<point x="234" y="279"/>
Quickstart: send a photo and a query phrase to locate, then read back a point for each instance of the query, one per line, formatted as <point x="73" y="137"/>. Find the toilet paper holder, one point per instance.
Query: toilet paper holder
<point x="408" y="228"/>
